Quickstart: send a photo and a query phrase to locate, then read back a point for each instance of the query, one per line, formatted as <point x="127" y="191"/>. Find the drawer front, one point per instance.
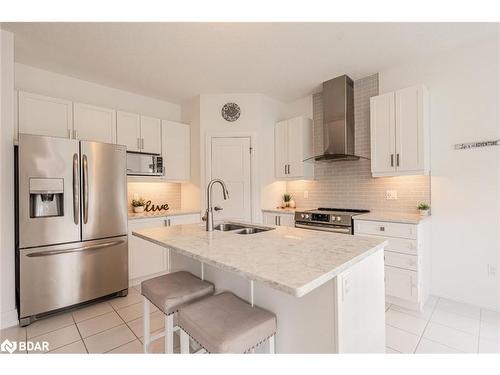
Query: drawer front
<point x="398" y="245"/>
<point x="382" y="228"/>
<point x="401" y="283"/>
<point x="408" y="262"/>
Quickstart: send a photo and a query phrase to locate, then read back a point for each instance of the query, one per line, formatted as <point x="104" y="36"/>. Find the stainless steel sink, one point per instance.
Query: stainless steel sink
<point x="252" y="230"/>
<point x="240" y="228"/>
<point x="225" y="227"/>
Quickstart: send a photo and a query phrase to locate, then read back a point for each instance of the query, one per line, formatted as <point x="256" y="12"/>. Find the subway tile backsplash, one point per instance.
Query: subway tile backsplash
<point x="157" y="192"/>
<point x="349" y="184"/>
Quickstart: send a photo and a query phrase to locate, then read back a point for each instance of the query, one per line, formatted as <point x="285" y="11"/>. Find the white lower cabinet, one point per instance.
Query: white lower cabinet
<point x="274" y="218"/>
<point x="146" y="259"/>
<point x="406" y="259"/>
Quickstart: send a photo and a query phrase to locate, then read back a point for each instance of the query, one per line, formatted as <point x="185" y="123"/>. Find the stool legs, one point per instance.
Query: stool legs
<point x="146" y="325"/>
<point x="184" y="342"/>
<point x="272" y="345"/>
<point x="169" y="334"/>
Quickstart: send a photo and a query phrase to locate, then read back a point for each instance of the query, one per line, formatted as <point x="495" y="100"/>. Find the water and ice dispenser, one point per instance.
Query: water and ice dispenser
<point x="46" y="197"/>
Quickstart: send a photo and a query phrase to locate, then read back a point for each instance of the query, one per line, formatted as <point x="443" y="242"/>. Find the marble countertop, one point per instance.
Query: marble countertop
<point x="170" y="212"/>
<point x="279" y="210"/>
<point x="395" y="217"/>
<point x="295" y="261"/>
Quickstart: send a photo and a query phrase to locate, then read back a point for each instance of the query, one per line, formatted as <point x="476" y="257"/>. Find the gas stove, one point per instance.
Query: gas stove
<point x="337" y="220"/>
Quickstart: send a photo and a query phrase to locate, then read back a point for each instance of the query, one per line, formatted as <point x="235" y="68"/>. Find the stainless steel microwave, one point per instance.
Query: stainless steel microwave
<point x="143" y="164"/>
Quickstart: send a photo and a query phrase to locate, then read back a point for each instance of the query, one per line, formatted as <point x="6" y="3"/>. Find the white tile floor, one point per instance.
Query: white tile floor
<point x="115" y="326"/>
<point x="444" y="326"/>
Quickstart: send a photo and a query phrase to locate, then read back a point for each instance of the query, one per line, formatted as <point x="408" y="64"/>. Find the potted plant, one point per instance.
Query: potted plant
<point x="424" y="208"/>
<point x="138" y="205"/>
<point x="286" y="199"/>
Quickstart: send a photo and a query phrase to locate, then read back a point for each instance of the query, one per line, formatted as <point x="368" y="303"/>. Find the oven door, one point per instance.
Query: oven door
<point x="324" y="227"/>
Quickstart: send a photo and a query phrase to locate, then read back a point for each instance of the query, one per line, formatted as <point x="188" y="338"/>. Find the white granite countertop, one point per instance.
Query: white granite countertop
<point x="170" y="212"/>
<point x="295" y="261"/>
<point x="395" y="217"/>
<point x="279" y="210"/>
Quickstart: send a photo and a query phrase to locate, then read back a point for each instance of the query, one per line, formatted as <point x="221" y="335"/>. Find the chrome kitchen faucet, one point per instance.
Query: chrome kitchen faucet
<point x="209" y="215"/>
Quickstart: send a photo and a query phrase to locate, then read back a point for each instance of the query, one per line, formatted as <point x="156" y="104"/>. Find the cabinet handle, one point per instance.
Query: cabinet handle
<point x="75" y="134"/>
<point x="142" y="143"/>
<point x="288" y="165"/>
<point x="68" y="133"/>
<point x="392" y="160"/>
<point x="276" y="220"/>
<point x="285" y="168"/>
<point x="279" y="220"/>
<point x="397" y="160"/>
<point x="138" y="143"/>
<point x="382" y="229"/>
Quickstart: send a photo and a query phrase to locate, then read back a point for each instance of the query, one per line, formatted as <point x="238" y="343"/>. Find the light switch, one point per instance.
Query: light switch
<point x="391" y="194"/>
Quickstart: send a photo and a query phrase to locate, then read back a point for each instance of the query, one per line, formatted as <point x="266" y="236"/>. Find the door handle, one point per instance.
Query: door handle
<point x="392" y="160"/>
<point x="74" y="249"/>
<point x="76" y="193"/>
<point x="85" y="189"/>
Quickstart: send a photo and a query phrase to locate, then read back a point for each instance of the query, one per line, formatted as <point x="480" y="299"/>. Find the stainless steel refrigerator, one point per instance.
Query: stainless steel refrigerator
<point x="71" y="223"/>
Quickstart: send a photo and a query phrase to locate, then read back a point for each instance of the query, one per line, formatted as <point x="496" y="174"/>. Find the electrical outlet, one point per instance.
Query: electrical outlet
<point x="306" y="194"/>
<point x="492" y="270"/>
<point x="391" y="194"/>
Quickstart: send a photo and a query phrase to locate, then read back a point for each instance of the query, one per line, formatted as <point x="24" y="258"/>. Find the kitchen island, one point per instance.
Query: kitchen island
<point x="326" y="289"/>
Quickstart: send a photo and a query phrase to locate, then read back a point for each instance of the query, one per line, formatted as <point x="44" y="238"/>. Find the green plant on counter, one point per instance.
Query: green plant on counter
<point x="423" y="206"/>
<point x="287" y="197"/>
<point x="138" y="203"/>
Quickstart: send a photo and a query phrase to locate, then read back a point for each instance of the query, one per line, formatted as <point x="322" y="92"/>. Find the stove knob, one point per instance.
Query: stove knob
<point x="339" y="218"/>
<point x="306" y="216"/>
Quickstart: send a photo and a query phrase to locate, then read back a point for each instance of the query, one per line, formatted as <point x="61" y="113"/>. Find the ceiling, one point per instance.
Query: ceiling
<point x="177" y="61"/>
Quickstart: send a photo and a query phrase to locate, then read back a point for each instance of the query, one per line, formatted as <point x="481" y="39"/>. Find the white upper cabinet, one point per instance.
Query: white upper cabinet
<point x="150" y="135"/>
<point x="139" y="133"/>
<point x="399" y="130"/>
<point x="93" y="123"/>
<point x="128" y="130"/>
<point x="293" y="143"/>
<point x="176" y="151"/>
<point x="43" y="115"/>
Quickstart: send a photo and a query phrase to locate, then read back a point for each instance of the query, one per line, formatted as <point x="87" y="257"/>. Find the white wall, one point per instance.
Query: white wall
<point x="258" y="116"/>
<point x="8" y="313"/>
<point x="43" y="82"/>
<point x="464" y="90"/>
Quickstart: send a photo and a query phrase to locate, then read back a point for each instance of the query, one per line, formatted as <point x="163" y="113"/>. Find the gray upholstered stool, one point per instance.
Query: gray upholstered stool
<point x="224" y="323"/>
<point x="170" y="292"/>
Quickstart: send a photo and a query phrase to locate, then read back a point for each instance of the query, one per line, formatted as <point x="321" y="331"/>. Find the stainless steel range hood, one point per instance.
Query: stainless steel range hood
<point x="338" y="121"/>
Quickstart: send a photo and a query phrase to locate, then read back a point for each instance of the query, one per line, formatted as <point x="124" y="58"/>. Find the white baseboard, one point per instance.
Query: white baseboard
<point x="8" y="319"/>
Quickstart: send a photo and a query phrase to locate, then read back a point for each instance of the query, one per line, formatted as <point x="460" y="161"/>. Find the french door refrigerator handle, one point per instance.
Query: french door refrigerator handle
<point x="76" y="192"/>
<point x="85" y="189"/>
<point x="75" y="249"/>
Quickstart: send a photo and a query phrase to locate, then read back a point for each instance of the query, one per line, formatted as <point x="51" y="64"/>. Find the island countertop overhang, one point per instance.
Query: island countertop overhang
<point x="295" y="261"/>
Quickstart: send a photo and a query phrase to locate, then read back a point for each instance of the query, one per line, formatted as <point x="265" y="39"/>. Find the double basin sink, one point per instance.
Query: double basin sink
<point x="241" y="228"/>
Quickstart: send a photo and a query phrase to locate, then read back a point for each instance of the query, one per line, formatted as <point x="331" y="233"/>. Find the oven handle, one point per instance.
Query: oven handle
<point x="324" y="229"/>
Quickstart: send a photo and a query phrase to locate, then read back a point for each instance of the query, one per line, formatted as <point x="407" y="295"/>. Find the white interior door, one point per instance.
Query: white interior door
<point x="230" y="161"/>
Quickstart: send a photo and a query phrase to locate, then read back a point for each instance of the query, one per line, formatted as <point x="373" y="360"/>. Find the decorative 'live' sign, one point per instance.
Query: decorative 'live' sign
<point x="149" y="207"/>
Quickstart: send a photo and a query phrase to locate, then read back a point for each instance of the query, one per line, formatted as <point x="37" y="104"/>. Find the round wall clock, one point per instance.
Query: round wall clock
<point x="231" y="112"/>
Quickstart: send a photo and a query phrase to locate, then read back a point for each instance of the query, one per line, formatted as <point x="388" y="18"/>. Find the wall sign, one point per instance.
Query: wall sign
<point x="149" y="207"/>
<point x="466" y="146"/>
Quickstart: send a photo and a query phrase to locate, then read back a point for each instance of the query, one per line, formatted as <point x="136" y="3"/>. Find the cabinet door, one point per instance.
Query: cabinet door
<point x="281" y="149"/>
<point x="286" y="220"/>
<point x="43" y="115"/>
<point x="295" y="140"/>
<point x="145" y="258"/>
<point x="382" y="134"/>
<point x="401" y="283"/>
<point x="409" y="130"/>
<point x="128" y="130"/>
<point x="184" y="219"/>
<point x="93" y="123"/>
<point x="176" y="150"/>
<point x="269" y="218"/>
<point x="151" y="135"/>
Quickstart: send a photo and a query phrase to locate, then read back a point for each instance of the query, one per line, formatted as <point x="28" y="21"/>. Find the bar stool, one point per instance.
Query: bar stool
<point x="224" y="323"/>
<point x="170" y="292"/>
